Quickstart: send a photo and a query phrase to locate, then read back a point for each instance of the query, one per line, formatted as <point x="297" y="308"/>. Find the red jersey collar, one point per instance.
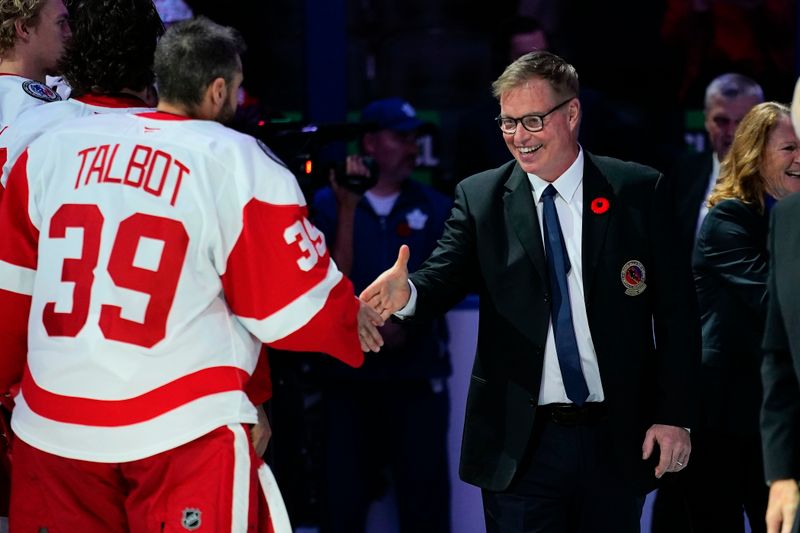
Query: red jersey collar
<point x="162" y="115"/>
<point x="117" y="100"/>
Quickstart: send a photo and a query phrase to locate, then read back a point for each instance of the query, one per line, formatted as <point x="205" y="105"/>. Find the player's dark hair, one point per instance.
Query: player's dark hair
<point x="191" y="55"/>
<point x="112" y="46"/>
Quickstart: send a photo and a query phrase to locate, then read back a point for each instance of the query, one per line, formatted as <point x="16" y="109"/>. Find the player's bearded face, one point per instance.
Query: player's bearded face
<point x="226" y="113"/>
<point x="228" y="110"/>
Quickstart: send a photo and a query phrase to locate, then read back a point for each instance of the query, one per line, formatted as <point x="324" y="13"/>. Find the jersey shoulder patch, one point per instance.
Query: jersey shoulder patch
<point x="40" y="91"/>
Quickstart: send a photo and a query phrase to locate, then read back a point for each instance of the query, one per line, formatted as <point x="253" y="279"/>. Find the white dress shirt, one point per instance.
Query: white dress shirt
<point x="569" y="205"/>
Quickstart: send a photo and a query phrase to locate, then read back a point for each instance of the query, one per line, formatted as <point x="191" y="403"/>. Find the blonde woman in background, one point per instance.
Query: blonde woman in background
<point x="730" y="266"/>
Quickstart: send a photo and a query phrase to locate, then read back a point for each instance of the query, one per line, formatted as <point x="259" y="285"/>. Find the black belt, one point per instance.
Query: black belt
<point x="569" y="414"/>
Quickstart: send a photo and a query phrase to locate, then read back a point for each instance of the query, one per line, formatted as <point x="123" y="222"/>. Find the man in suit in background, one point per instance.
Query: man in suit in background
<point x="728" y="99"/>
<point x="780" y="414"/>
<point x="573" y="409"/>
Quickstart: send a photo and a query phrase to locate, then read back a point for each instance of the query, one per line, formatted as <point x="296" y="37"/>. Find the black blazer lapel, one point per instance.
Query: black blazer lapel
<point x="598" y="208"/>
<point x="520" y="213"/>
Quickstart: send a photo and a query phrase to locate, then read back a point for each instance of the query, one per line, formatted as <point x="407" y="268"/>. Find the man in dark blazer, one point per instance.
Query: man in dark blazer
<point x="780" y="415"/>
<point x="728" y="98"/>
<point x="569" y="420"/>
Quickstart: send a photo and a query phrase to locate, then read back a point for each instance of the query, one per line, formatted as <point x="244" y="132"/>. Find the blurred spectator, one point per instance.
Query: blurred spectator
<point x="478" y="145"/>
<point x="749" y="36"/>
<point x="728" y="98"/>
<point x="394" y="411"/>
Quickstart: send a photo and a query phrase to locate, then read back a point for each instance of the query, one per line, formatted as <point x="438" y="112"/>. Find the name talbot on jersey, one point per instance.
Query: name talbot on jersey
<point x="146" y="168"/>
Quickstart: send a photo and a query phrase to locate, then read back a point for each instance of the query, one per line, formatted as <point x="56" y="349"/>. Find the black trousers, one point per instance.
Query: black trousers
<point x="568" y="484"/>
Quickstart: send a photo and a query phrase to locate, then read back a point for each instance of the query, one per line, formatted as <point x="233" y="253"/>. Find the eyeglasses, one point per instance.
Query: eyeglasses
<point x="532" y="123"/>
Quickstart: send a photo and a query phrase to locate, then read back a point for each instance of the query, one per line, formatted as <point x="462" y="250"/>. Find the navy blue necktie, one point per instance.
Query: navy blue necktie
<point x="558" y="266"/>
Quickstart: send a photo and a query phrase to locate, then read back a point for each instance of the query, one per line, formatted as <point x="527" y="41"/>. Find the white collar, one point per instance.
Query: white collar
<point x="566" y="184"/>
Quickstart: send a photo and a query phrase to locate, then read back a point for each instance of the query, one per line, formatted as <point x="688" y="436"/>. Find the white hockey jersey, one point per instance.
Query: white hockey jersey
<point x="156" y="254"/>
<point x="33" y="122"/>
<point x="18" y="94"/>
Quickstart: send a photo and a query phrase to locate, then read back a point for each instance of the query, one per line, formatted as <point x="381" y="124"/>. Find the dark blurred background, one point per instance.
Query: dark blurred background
<point x="643" y="65"/>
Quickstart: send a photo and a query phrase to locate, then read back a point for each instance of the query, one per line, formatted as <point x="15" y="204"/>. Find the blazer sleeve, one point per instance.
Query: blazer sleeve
<point x="780" y="412"/>
<point x="676" y="320"/>
<point x="451" y="271"/>
<point x="732" y="248"/>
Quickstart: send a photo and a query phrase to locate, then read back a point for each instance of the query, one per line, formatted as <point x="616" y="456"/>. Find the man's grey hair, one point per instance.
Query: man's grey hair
<point x="732" y="85"/>
<point x="561" y="76"/>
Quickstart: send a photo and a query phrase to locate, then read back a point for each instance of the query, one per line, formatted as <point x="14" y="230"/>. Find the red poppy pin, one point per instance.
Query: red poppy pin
<point x="403" y="229"/>
<point x="600" y="205"/>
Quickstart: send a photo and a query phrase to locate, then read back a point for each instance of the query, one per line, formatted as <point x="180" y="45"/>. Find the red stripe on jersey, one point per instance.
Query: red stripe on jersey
<point x="162" y="115"/>
<point x="14" y="311"/>
<point x="109" y="413"/>
<point x="19" y="245"/>
<point x="3" y="159"/>
<point x="119" y="100"/>
<point x="274" y="261"/>
<point x="334" y="330"/>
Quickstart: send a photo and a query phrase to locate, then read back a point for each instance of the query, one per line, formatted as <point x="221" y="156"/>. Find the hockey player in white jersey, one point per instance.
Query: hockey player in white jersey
<point x="156" y="252"/>
<point x="108" y="64"/>
<point x="33" y="34"/>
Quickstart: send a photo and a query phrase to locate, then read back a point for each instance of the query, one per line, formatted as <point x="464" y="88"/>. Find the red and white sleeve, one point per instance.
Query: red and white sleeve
<point x="18" y="260"/>
<point x="282" y="284"/>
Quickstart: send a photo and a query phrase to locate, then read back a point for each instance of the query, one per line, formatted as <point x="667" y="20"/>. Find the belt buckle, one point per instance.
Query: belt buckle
<point x="565" y="415"/>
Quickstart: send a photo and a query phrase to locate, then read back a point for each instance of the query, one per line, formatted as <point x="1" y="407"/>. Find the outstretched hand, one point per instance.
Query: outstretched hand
<point x="261" y="432"/>
<point x="390" y="291"/>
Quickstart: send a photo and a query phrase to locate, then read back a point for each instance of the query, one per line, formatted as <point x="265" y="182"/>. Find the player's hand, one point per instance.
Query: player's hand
<point x="674" y="444"/>
<point x="261" y="432"/>
<point x="390" y="292"/>
<point x="368" y="322"/>
<point x="782" y="507"/>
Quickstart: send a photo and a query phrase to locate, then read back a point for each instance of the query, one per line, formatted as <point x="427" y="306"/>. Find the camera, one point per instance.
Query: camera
<point x="301" y="146"/>
<point x="356" y="183"/>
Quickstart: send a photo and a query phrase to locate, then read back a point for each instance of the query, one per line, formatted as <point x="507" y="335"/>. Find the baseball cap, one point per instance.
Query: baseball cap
<point x="391" y="114"/>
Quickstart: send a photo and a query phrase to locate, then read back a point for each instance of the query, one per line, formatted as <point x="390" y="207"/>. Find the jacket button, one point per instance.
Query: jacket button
<point x="534" y="403"/>
<point x="547" y="298"/>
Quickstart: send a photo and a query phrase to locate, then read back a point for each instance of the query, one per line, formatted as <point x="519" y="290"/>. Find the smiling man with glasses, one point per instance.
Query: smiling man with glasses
<point x="588" y="338"/>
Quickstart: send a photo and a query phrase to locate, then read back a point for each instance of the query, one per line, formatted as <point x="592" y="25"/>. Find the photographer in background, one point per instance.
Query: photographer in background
<point x="394" y="411"/>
